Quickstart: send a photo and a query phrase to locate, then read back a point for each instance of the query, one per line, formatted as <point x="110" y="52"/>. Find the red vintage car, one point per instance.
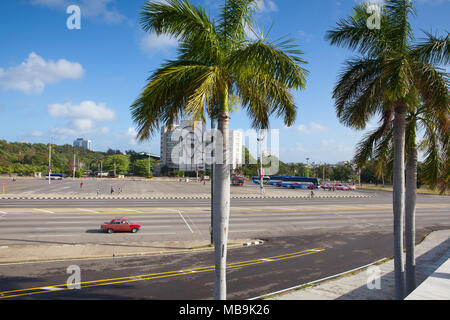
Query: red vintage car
<point x="120" y="225"/>
<point x="237" y="180"/>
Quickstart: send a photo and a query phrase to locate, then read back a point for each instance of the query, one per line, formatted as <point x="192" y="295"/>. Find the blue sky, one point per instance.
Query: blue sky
<point x="58" y="84"/>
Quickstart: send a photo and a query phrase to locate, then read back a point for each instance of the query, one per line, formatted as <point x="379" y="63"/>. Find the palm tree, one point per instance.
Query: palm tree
<point x="216" y="60"/>
<point x="386" y="78"/>
<point x="377" y="145"/>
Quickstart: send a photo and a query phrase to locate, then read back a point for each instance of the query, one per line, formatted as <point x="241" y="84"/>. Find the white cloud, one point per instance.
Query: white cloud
<point x="101" y="9"/>
<point x="317" y="127"/>
<point x="83" y="118"/>
<point x="85" y="110"/>
<point x="131" y="134"/>
<point x="93" y="9"/>
<point x="312" y="128"/>
<point x="266" y="6"/>
<point x="32" y="75"/>
<point x="36" y="133"/>
<point x="50" y="3"/>
<point x="152" y="43"/>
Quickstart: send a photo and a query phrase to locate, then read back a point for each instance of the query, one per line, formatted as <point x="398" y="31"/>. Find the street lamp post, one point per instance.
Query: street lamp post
<point x="49" y="163"/>
<point x="323" y="171"/>
<point x="261" y="176"/>
<point x="74" y="167"/>
<point x="149" y="165"/>
<point x="307" y="164"/>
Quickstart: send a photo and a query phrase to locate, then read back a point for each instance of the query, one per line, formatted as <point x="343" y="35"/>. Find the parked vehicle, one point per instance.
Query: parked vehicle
<point x="55" y="176"/>
<point x="120" y="225"/>
<point x="299" y="182"/>
<point x="256" y="180"/>
<point x="237" y="180"/>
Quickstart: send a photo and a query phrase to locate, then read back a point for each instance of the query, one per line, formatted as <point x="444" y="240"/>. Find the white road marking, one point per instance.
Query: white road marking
<point x="256" y="230"/>
<point x="179" y="212"/>
<point x="87" y="210"/>
<point x="195" y="226"/>
<point x="156" y="233"/>
<point x="51" y="288"/>
<point x="131" y="210"/>
<point x="43" y="210"/>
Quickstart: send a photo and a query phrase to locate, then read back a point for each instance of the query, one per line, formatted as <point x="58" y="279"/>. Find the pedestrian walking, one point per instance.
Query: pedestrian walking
<point x="112" y="190"/>
<point x="81" y="185"/>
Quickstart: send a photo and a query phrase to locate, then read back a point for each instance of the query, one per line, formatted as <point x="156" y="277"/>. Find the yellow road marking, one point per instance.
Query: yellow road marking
<point x="260" y="210"/>
<point x="105" y="282"/>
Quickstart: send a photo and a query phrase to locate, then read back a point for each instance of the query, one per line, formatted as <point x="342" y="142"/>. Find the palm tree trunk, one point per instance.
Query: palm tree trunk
<point x="399" y="198"/>
<point x="222" y="205"/>
<point x="410" y="216"/>
<point x="212" y="179"/>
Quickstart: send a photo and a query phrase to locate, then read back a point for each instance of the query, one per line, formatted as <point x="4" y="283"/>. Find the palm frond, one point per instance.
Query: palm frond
<point x="186" y="22"/>
<point x="235" y="16"/>
<point x="279" y="60"/>
<point x="353" y="33"/>
<point x="433" y="50"/>
<point x="173" y="90"/>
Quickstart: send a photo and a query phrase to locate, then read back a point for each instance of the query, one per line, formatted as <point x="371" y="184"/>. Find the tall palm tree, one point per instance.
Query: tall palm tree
<point x="216" y="60"/>
<point x="377" y="145"/>
<point x="386" y="78"/>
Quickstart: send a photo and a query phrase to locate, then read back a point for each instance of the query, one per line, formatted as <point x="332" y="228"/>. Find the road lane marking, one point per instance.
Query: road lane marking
<point x="253" y="230"/>
<point x="87" y="210"/>
<point x="179" y="212"/>
<point x="51" y="288"/>
<point x="43" y="210"/>
<point x="131" y="210"/>
<point x="195" y="226"/>
<point x="262" y="210"/>
<point x="135" y="278"/>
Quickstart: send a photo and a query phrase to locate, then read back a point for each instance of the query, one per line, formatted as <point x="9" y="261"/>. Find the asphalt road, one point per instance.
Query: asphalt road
<point x="72" y="225"/>
<point x="280" y="263"/>
<point x="305" y="240"/>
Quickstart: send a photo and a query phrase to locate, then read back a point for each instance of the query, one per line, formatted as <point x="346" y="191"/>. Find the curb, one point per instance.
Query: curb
<point x="253" y="243"/>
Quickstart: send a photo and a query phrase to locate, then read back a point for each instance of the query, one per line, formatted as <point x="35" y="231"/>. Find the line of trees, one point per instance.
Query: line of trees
<point x="27" y="158"/>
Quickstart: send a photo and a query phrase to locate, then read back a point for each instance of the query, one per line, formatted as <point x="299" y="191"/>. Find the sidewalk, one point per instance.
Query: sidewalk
<point x="432" y="253"/>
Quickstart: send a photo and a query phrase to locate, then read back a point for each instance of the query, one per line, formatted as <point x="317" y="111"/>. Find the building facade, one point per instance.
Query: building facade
<point x="188" y="146"/>
<point x="83" y="143"/>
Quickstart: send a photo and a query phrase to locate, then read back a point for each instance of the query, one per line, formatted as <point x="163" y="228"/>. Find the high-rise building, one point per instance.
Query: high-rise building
<point x="182" y="146"/>
<point x="83" y="143"/>
<point x="188" y="147"/>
